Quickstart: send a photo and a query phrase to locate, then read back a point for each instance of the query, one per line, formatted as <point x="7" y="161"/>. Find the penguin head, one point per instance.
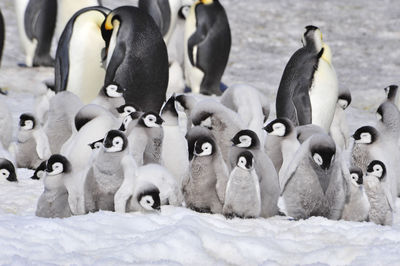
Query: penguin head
<point x="280" y="127"/>
<point x="246" y="139"/>
<point x="169" y="107"/>
<point x="107" y="28"/>
<point x="184" y="12"/>
<point x="365" y="135"/>
<point x="151" y="119"/>
<point x="312" y="38"/>
<point x="391" y="92"/>
<point x="7" y="170"/>
<point x="377" y="169"/>
<point x="149" y="199"/>
<point x="322" y="150"/>
<point x="356" y="176"/>
<point x="40" y="171"/>
<point x="57" y="164"/>
<point x="128" y="119"/>
<point x="125" y="110"/>
<point x="97" y="144"/>
<point x="204" y="119"/>
<point x="204" y="146"/>
<point x="27" y="121"/>
<point x="115" y="141"/>
<point x="113" y="91"/>
<point x="344" y="100"/>
<point x="245" y="160"/>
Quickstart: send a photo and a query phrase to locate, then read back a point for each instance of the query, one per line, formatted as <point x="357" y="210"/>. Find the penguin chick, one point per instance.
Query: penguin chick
<point x="111" y="96"/>
<point x="315" y="183"/>
<point x="40" y="171"/>
<point x="7" y="170"/>
<point x="125" y="110"/>
<point x="223" y="123"/>
<point x="265" y="170"/>
<point x="205" y="189"/>
<point x="146" y="198"/>
<point x="381" y="211"/>
<point x="106" y="175"/>
<point x="357" y="208"/>
<point x="339" y="130"/>
<point x="32" y="146"/>
<point x="242" y="198"/>
<point x="53" y="203"/>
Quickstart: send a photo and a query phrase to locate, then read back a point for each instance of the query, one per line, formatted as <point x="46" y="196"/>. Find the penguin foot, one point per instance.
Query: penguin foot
<point x="201" y="210"/>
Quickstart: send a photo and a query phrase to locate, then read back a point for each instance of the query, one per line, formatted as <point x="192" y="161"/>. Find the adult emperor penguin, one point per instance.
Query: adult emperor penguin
<point x="207" y="46"/>
<point x="174" y="152"/>
<point x="314" y="184"/>
<point x="53" y="203"/>
<point x="339" y="130"/>
<point x="78" y="58"/>
<point x="308" y="91"/>
<point x="382" y="206"/>
<point x="106" y="175"/>
<point x="67" y="8"/>
<point x="389" y="120"/>
<point x="136" y="57"/>
<point x="242" y="197"/>
<point x="357" y="207"/>
<point x="222" y="121"/>
<point x="205" y="189"/>
<point x="36" y="23"/>
<point x="7" y="170"/>
<point x="32" y="146"/>
<point x="265" y="170"/>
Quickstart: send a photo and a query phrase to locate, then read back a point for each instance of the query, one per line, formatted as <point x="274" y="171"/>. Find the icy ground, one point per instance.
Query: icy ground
<point x="364" y="36"/>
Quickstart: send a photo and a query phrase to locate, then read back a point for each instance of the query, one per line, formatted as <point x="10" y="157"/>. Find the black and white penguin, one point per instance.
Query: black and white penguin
<point x="78" y="58"/>
<point x="36" y="24"/>
<point x="308" y="91"/>
<point x="207" y="46"/>
<point x="125" y="110"/>
<point x="7" y="170"/>
<point x="136" y="57"/>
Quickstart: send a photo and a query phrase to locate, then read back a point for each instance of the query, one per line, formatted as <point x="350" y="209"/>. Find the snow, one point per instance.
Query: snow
<point x="364" y="37"/>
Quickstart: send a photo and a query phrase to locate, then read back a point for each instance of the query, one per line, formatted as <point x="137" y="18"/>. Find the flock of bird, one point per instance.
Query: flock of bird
<point x="130" y="147"/>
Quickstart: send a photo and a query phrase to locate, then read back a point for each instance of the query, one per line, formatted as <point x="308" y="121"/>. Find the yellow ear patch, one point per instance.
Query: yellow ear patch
<point x="207" y="2"/>
<point x="108" y="25"/>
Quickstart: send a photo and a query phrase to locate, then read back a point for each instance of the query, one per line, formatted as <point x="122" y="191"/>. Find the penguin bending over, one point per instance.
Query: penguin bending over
<point x="308" y="90"/>
<point x="53" y="203"/>
<point x="36" y="24"/>
<point x="78" y="58"/>
<point x="136" y="57"/>
<point x="207" y="46"/>
<point x="242" y="198"/>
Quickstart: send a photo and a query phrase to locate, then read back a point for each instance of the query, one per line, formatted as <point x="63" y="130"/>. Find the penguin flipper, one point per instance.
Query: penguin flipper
<point x="31" y="18"/>
<point x="302" y="105"/>
<point x="116" y="60"/>
<point x="196" y="38"/>
<point x="62" y="59"/>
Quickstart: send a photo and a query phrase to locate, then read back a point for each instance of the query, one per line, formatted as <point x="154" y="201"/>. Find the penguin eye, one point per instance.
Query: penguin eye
<point x="318" y="159"/>
<point x="117" y="141"/>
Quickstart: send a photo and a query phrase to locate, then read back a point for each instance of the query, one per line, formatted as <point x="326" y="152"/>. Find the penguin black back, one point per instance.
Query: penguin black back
<point x="2" y="34"/>
<point x="139" y="60"/>
<point x="160" y="11"/>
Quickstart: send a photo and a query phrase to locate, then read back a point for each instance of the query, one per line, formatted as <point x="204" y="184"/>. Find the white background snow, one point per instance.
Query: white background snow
<point x="364" y="36"/>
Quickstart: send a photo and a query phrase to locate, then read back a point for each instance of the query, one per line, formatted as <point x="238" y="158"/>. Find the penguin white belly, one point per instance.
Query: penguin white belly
<point x="28" y="45"/>
<point x="174" y="6"/>
<point x="194" y="76"/>
<point x="176" y="83"/>
<point x="324" y="93"/>
<point x="86" y="74"/>
<point x="335" y="131"/>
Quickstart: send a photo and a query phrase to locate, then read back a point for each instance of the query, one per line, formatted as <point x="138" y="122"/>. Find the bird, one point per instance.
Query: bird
<point x="7" y="170"/>
<point x="339" y="128"/>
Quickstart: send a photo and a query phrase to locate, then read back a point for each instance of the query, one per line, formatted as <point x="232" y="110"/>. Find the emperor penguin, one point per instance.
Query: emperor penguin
<point x="369" y="144"/>
<point x="7" y="170"/>
<point x="36" y="23"/>
<point x="66" y="10"/>
<point x="389" y="120"/>
<point x="53" y="203"/>
<point x="136" y="57"/>
<point x="106" y="175"/>
<point x="145" y="198"/>
<point x="393" y="95"/>
<point x="6" y="125"/>
<point x="339" y="129"/>
<point x="308" y="91"/>
<point x="247" y="140"/>
<point x="251" y="106"/>
<point x="60" y="120"/>
<point x="32" y="146"/>
<point x="125" y="110"/>
<point x="382" y="206"/>
<point x="243" y="198"/>
<point x="2" y="34"/>
<point x="207" y="46"/>
<point x="205" y="189"/>
<point x="315" y="183"/>
<point x="40" y="171"/>
<point x="111" y="97"/>
<point x="174" y="154"/>
<point x="78" y="65"/>
<point x="222" y="121"/>
<point x="357" y="207"/>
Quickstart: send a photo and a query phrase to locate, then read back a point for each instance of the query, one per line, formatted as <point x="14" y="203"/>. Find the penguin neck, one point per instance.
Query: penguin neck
<point x="327" y="54"/>
<point x="109" y="161"/>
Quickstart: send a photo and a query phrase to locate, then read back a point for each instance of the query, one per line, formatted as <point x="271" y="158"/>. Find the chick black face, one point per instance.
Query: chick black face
<point x="245" y="160"/>
<point x="149" y="199"/>
<point x="280" y="127"/>
<point x="150" y="119"/>
<point x="377" y="169"/>
<point x="115" y="141"/>
<point x="246" y="139"/>
<point x="27" y="121"/>
<point x="7" y="170"/>
<point x="366" y="135"/>
<point x="57" y="164"/>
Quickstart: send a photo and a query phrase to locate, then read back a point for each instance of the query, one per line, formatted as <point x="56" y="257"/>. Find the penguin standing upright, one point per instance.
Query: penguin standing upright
<point x="136" y="57"/>
<point x="208" y="43"/>
<point x="36" y="23"/>
<point x="308" y="91"/>
<point x="78" y="58"/>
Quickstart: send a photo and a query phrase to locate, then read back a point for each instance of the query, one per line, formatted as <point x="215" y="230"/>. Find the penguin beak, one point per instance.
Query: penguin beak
<point x="122" y="127"/>
<point x="12" y="178"/>
<point x="107" y="143"/>
<point x="160" y="121"/>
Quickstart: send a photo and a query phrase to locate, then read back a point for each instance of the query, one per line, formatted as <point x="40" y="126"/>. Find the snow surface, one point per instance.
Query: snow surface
<point x="364" y="36"/>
